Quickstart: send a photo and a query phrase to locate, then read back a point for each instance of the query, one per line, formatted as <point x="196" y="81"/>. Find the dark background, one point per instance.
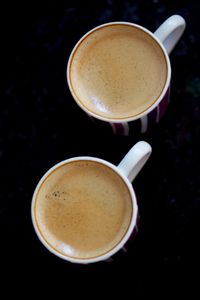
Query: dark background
<point x="40" y="125"/>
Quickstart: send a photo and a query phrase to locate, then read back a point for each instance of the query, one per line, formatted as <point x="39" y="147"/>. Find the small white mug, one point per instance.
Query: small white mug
<point x="127" y="169"/>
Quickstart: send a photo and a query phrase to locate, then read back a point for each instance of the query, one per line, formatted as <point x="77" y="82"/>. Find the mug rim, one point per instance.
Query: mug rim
<point x="146" y="111"/>
<point x="126" y="236"/>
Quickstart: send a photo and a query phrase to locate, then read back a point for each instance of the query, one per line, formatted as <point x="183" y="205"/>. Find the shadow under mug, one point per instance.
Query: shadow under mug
<point x="166" y="36"/>
<point x="127" y="170"/>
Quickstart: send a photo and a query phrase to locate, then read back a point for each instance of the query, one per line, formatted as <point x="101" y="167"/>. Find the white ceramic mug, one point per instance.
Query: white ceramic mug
<point x="166" y="37"/>
<point x="127" y="169"/>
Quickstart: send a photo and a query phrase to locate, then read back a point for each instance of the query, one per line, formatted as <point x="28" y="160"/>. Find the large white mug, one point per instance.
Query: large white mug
<point x="164" y="38"/>
<point x="127" y="170"/>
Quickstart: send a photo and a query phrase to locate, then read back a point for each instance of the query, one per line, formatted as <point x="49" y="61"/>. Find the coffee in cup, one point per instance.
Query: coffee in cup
<point x="118" y="71"/>
<point x="83" y="209"/>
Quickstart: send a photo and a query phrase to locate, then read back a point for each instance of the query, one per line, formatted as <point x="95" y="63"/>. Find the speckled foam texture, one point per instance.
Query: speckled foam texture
<point x="83" y="209"/>
<point x="118" y="71"/>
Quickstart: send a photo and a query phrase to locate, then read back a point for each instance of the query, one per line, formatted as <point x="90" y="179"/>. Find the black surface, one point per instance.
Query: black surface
<point x="41" y="125"/>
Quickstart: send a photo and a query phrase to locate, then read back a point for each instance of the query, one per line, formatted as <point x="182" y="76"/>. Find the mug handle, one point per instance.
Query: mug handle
<point x="170" y="32"/>
<point x="135" y="159"/>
